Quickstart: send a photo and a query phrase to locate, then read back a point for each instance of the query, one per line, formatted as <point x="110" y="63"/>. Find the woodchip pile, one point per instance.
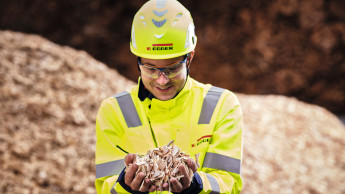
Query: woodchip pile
<point x="49" y="96"/>
<point x="291" y="147"/>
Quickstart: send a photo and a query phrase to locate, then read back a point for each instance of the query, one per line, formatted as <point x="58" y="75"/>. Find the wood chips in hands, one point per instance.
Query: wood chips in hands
<point x="161" y="164"/>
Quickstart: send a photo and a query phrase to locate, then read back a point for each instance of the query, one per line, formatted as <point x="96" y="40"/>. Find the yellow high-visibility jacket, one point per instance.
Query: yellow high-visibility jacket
<point x="201" y="119"/>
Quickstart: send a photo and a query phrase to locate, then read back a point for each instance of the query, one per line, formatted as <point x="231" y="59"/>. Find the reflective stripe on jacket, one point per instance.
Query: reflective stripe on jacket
<point x="201" y="119"/>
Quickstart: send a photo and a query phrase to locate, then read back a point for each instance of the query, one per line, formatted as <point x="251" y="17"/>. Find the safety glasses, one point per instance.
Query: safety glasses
<point x="169" y="71"/>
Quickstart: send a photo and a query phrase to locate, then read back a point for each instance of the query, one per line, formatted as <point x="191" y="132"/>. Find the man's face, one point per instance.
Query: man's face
<point x="164" y="88"/>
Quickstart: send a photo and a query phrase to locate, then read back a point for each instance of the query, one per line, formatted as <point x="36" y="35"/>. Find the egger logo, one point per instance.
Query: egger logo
<point x="159" y="47"/>
<point x="206" y="138"/>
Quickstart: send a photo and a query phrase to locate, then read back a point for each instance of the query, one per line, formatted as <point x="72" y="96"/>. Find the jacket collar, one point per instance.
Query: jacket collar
<point x="143" y="93"/>
<point x="148" y="97"/>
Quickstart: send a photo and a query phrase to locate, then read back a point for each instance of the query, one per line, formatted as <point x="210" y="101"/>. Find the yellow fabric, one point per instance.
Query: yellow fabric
<point x="175" y="119"/>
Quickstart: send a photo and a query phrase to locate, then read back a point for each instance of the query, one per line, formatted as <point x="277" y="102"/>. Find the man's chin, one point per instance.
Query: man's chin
<point x="164" y="97"/>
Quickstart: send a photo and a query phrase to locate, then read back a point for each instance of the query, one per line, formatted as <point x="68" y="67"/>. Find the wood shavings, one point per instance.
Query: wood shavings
<point x="161" y="164"/>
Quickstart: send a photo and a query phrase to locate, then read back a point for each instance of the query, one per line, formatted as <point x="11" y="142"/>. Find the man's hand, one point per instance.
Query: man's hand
<point x="136" y="183"/>
<point x="185" y="181"/>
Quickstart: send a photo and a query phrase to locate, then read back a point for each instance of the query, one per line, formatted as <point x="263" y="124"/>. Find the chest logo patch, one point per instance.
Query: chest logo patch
<point x="206" y="138"/>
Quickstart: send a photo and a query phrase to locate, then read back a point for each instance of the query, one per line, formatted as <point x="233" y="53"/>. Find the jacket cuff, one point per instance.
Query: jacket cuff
<point x="196" y="185"/>
<point x="121" y="181"/>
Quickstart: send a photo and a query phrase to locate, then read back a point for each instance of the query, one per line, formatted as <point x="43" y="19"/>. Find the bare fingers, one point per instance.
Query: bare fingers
<point x="145" y="185"/>
<point x="152" y="188"/>
<point x="132" y="180"/>
<point x="130" y="158"/>
<point x="193" y="165"/>
<point x="130" y="174"/>
<point x="179" y="185"/>
<point x="176" y="186"/>
<point x="136" y="183"/>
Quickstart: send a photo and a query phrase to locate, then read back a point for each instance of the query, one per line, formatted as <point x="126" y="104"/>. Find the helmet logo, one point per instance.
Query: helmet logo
<point x="159" y="47"/>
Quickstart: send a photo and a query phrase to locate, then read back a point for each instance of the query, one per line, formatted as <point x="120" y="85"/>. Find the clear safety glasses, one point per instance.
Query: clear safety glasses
<point x="169" y="71"/>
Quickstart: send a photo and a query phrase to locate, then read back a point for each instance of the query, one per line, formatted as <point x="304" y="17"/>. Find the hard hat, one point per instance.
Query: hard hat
<point x="162" y="29"/>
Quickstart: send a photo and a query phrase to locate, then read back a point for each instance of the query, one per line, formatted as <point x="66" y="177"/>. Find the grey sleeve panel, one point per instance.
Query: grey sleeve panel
<point x="221" y="162"/>
<point x="128" y="109"/>
<point x="110" y="168"/>
<point x="209" y="104"/>
<point x="214" y="184"/>
<point x="112" y="190"/>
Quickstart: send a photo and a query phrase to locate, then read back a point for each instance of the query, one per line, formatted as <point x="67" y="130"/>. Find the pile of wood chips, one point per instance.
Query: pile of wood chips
<point x="161" y="164"/>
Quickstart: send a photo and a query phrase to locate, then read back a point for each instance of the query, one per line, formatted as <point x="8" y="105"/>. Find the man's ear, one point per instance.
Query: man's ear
<point x="190" y="57"/>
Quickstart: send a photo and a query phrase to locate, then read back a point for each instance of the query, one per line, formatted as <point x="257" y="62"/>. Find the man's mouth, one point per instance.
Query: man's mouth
<point x="163" y="89"/>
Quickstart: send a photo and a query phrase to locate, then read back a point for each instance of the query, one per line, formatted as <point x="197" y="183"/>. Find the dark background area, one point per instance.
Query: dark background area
<point x="288" y="47"/>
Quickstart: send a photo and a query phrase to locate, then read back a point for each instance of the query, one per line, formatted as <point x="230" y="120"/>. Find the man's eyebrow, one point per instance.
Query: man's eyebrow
<point x="149" y="64"/>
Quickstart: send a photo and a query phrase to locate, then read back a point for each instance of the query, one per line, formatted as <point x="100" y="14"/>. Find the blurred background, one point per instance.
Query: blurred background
<point x="288" y="47"/>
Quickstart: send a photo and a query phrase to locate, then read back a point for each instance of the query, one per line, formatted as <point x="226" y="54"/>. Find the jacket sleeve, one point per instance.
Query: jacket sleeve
<point x="109" y="156"/>
<point x="220" y="171"/>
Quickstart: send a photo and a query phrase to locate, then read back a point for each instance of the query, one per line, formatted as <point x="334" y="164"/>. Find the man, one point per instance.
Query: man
<point x="167" y="104"/>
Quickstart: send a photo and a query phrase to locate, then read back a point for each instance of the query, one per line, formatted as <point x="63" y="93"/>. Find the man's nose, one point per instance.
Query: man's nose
<point x="162" y="78"/>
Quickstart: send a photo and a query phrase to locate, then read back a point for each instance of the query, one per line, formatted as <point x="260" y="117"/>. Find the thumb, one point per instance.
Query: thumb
<point x="192" y="164"/>
<point x="129" y="159"/>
